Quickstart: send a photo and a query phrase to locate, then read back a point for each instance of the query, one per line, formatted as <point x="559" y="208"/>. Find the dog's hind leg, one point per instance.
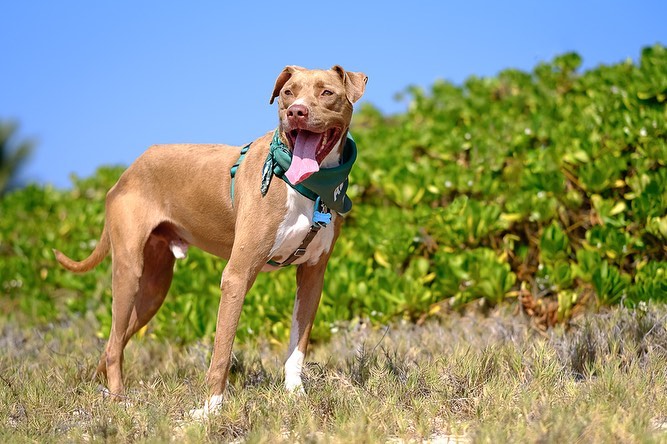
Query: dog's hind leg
<point x="158" y="270"/>
<point x="126" y="281"/>
<point x="154" y="284"/>
<point x="131" y="236"/>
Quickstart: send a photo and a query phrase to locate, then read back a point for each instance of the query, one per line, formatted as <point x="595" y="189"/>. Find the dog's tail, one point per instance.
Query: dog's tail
<point x="101" y="250"/>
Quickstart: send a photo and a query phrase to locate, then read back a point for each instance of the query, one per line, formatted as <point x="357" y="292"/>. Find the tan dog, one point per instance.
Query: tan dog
<point x="173" y="196"/>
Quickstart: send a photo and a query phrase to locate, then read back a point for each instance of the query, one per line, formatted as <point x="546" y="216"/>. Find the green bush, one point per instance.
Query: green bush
<point x="551" y="183"/>
<point x="561" y="174"/>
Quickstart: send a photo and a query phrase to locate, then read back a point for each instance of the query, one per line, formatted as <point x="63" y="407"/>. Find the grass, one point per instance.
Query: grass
<point x="469" y="377"/>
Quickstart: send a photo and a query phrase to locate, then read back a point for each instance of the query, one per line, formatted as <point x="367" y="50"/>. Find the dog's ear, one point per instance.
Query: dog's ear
<point x="355" y="83"/>
<point x="282" y="79"/>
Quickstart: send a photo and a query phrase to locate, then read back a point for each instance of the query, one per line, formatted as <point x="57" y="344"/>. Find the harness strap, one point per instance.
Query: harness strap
<point x="321" y="218"/>
<point x="235" y="167"/>
<point x="299" y="251"/>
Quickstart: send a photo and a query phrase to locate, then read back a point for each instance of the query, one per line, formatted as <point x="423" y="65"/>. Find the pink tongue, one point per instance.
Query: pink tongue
<point x="303" y="157"/>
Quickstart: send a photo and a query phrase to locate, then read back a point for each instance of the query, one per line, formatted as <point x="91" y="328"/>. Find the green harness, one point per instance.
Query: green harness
<point x="326" y="187"/>
<point x="235" y="168"/>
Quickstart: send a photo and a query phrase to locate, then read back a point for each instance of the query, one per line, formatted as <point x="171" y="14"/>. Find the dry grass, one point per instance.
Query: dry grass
<point x="471" y="377"/>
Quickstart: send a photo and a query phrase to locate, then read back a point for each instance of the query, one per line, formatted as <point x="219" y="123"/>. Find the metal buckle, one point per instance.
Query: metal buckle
<point x="299" y="252"/>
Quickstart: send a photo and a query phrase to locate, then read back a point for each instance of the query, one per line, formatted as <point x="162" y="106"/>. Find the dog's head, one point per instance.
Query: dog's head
<point x="315" y="108"/>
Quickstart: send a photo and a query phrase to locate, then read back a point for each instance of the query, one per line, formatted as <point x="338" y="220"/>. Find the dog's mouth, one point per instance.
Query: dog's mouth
<point x="308" y="151"/>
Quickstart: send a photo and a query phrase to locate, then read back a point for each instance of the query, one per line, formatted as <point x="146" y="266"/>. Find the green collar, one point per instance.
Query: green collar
<point x="330" y="184"/>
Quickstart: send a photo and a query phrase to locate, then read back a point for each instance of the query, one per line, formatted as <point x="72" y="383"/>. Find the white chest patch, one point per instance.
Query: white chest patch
<point x="295" y="226"/>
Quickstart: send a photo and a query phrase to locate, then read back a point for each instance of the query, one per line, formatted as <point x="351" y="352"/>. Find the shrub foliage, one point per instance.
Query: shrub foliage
<point x="548" y="185"/>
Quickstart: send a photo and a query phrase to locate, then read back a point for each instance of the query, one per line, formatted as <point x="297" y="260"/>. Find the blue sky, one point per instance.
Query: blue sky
<point x="96" y="83"/>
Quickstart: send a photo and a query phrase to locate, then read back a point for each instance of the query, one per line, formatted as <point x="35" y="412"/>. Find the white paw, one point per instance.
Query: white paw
<point x="212" y="406"/>
<point x="294" y="386"/>
<point x="293" y="368"/>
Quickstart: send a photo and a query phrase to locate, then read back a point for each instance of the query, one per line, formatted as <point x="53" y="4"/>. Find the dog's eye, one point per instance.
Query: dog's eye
<point x="326" y="92"/>
<point x="287" y="92"/>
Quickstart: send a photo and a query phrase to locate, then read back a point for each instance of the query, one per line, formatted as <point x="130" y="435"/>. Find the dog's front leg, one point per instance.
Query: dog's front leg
<point x="309" y="281"/>
<point x="237" y="278"/>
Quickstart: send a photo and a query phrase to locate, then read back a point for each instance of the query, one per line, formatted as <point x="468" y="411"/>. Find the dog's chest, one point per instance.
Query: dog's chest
<point x="294" y="228"/>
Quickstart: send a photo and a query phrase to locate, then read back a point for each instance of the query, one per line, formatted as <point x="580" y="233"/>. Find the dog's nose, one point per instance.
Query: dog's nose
<point x="298" y="112"/>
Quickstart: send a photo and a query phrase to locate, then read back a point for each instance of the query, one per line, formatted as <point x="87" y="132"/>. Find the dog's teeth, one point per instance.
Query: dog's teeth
<point x="323" y="144"/>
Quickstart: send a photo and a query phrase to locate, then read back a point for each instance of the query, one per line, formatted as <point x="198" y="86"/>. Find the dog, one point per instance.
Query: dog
<point x="230" y="202"/>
